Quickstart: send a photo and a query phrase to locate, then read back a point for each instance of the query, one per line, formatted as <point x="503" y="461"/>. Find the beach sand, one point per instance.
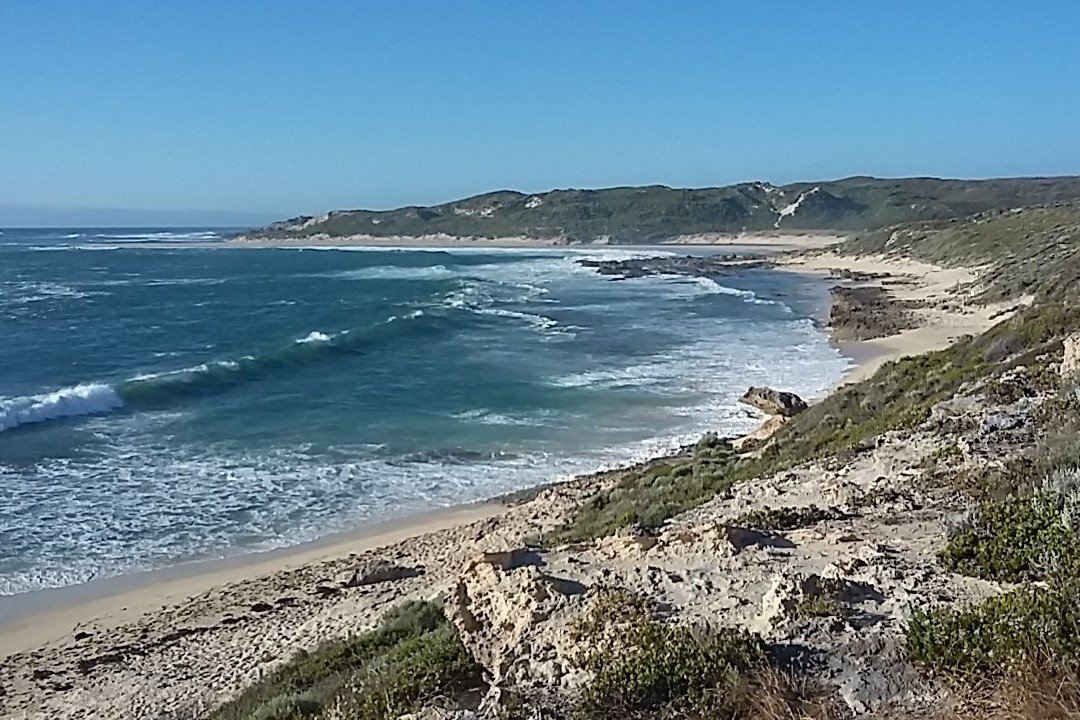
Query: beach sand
<point x="944" y="315"/>
<point x="147" y="644"/>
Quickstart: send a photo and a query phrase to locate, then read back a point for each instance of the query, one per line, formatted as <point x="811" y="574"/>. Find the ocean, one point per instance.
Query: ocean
<point x="165" y="405"/>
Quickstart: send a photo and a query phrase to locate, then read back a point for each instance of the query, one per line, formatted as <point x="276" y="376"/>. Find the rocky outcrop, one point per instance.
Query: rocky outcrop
<point x="1070" y="362"/>
<point x="865" y="313"/>
<point x="690" y="266"/>
<point x="752" y="440"/>
<point x="774" y="402"/>
<point x="515" y="621"/>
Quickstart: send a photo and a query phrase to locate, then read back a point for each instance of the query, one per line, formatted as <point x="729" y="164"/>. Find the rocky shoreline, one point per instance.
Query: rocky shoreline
<point x="824" y="560"/>
<point x="689" y="265"/>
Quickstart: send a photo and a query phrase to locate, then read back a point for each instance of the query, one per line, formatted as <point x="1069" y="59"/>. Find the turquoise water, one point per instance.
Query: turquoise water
<point x="164" y="405"/>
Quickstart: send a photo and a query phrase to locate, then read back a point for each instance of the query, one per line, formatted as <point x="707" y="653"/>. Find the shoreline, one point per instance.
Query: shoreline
<point x="32" y="619"/>
<point x="211" y="595"/>
<point x="29" y="619"/>
<point x="941" y="314"/>
<point x="37" y="617"/>
<point x="773" y="242"/>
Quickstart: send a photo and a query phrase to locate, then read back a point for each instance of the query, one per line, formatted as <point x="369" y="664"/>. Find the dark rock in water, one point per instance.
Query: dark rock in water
<point x="691" y="266"/>
<point x="774" y="402"/>
<point x="379" y="572"/>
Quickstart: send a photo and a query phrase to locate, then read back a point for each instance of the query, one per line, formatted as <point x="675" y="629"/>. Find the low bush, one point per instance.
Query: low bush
<point x="643" y="667"/>
<point x="1013" y="539"/>
<point x="648" y="496"/>
<point x="414" y="655"/>
<point x="1030" y="625"/>
<point x="782" y="519"/>
<point x="945" y="455"/>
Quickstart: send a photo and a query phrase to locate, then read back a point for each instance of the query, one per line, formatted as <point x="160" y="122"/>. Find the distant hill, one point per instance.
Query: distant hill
<point x="656" y="213"/>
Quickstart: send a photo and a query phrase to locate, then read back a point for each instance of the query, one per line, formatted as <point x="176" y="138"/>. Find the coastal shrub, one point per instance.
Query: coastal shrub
<point x="1014" y="539"/>
<point x="782" y="519"/>
<point x="289" y="707"/>
<point x="1030" y="625"/>
<point x="901" y="394"/>
<point x="1001" y="393"/>
<point x="413" y="655"/>
<point x="820" y="605"/>
<point x="644" y="667"/>
<point x="415" y="671"/>
<point x="1033" y="251"/>
<point x="647" y="496"/>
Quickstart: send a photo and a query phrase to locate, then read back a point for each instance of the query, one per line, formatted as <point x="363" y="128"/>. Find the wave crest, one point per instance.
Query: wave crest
<point x="82" y="399"/>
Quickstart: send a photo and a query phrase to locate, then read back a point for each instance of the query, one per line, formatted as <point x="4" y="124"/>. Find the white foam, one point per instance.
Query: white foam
<point x="316" y="337"/>
<point x="190" y="236"/>
<point x="190" y="372"/>
<point x="21" y="293"/>
<point x="389" y="272"/>
<point x="83" y="399"/>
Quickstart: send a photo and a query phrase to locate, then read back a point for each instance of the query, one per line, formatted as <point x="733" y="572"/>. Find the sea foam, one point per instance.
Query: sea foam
<point x="83" y="399"/>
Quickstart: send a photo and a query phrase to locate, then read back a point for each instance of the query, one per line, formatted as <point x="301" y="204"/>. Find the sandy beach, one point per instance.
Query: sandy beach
<point x="942" y="313"/>
<point x="204" y="631"/>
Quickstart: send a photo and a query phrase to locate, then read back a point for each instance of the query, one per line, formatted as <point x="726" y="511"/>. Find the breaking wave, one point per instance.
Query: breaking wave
<point x="153" y="390"/>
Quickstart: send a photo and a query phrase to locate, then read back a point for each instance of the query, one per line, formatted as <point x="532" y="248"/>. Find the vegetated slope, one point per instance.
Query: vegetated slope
<point x="656" y="213"/>
<point x="1031" y="251"/>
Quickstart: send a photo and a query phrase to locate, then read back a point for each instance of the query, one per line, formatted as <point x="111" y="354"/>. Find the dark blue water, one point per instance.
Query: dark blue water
<point x="162" y="405"/>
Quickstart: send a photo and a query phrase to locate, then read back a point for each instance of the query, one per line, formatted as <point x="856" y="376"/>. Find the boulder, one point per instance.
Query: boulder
<point x="774" y="402"/>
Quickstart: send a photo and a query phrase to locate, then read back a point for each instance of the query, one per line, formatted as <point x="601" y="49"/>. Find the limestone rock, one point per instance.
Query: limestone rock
<point x="774" y="402"/>
<point x="507" y="559"/>
<point x="1070" y="362"/>
<point x="789" y="594"/>
<point x="516" y="623"/>
<point x="766" y="431"/>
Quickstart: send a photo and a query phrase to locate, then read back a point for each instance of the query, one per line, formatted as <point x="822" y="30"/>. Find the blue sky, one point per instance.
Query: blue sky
<point x="287" y="107"/>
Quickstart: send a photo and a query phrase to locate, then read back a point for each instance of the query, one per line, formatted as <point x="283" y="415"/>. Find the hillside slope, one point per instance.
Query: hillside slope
<point x="657" y="213"/>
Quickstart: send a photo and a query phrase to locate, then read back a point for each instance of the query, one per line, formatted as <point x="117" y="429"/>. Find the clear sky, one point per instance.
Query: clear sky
<point x="299" y="107"/>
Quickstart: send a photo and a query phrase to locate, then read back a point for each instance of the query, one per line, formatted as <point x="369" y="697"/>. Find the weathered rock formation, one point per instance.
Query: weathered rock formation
<point x="1070" y="362"/>
<point x="774" y="402"/>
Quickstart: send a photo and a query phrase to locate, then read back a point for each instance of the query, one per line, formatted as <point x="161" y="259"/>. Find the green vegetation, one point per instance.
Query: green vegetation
<point x="1014" y="539"/>
<point x="655" y="213"/>
<point x="782" y="519"/>
<point x="642" y="666"/>
<point x="824" y="601"/>
<point x="413" y="656"/>
<point x="1023" y="537"/>
<point x="1032" y="251"/>
<point x="647" y="496"/>
<point x="1028" y="626"/>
